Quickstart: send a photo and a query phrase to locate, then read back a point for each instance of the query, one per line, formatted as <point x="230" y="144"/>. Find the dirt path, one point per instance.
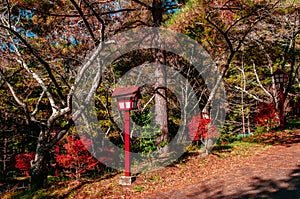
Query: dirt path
<point x="275" y="173"/>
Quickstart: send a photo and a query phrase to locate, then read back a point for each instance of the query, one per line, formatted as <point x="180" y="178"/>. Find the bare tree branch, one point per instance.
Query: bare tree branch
<point x="41" y="60"/>
<point x="38" y="103"/>
<point x="87" y="25"/>
<point x="248" y="93"/>
<point x="259" y="82"/>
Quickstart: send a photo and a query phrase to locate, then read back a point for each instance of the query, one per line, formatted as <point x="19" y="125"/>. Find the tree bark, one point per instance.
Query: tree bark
<point x="39" y="166"/>
<point x="161" y="108"/>
<point x="157" y="12"/>
<point x="4" y="156"/>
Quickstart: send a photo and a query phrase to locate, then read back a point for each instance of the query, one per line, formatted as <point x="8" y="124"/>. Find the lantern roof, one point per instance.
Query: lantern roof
<point x="131" y="91"/>
<point x="280" y="71"/>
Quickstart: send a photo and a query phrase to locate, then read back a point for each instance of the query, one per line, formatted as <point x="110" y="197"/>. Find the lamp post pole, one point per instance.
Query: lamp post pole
<point x="127" y="99"/>
<point x="281" y="106"/>
<point x="127" y="142"/>
<point x="281" y="77"/>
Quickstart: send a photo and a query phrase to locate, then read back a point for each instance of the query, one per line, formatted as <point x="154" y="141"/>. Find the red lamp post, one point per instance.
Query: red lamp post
<point x="281" y="77"/>
<point x="127" y="100"/>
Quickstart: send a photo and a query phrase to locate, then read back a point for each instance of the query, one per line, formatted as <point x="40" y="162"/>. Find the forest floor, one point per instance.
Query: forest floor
<point x="268" y="168"/>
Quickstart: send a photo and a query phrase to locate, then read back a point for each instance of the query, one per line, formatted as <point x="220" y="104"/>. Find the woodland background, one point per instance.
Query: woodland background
<point x="44" y="43"/>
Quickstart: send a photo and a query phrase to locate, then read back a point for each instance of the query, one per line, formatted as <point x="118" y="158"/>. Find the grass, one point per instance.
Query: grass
<point x="138" y="188"/>
<point x="30" y="194"/>
<point x="154" y="178"/>
<point x="295" y="121"/>
<point x="9" y="194"/>
<point x="293" y="124"/>
<point x="237" y="148"/>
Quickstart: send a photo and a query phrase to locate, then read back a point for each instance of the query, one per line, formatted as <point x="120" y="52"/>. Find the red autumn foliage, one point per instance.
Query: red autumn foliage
<point x="266" y="115"/>
<point x="199" y="128"/>
<point x="76" y="159"/>
<point x="23" y="162"/>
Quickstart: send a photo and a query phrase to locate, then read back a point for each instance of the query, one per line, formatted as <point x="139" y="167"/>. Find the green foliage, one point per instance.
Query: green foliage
<point x="226" y="138"/>
<point x="295" y="122"/>
<point x="260" y="130"/>
<point x="138" y="188"/>
<point x="183" y="13"/>
<point x="146" y="142"/>
<point x="141" y="118"/>
<point x="193" y="147"/>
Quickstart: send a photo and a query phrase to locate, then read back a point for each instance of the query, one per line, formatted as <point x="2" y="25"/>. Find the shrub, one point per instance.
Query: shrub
<point x="76" y="159"/>
<point x="147" y="140"/>
<point x="226" y="138"/>
<point x="200" y="129"/>
<point x="23" y="162"/>
<point x="266" y="116"/>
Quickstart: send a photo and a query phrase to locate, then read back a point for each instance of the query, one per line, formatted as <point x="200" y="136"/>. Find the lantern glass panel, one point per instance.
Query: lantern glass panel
<point x="121" y="105"/>
<point x="128" y="105"/>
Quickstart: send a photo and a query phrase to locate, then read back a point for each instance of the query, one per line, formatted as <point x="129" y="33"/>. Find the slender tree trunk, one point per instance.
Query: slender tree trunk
<point x="4" y="156"/>
<point x="243" y="114"/>
<point x="248" y="117"/>
<point x="243" y="119"/>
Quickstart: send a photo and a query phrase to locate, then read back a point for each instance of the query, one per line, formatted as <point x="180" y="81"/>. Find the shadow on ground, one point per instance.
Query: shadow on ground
<point x="258" y="188"/>
<point x="267" y="188"/>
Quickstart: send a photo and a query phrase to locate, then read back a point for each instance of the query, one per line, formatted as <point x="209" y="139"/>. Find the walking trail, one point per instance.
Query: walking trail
<point x="273" y="173"/>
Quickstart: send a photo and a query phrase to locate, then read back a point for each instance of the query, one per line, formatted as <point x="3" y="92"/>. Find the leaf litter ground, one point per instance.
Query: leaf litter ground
<point x="270" y="169"/>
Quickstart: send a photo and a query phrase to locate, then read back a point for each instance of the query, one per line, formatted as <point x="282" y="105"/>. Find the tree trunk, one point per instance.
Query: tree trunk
<point x="4" y="156"/>
<point x="157" y="12"/>
<point x="161" y="109"/>
<point x="39" y="172"/>
<point x="39" y="166"/>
